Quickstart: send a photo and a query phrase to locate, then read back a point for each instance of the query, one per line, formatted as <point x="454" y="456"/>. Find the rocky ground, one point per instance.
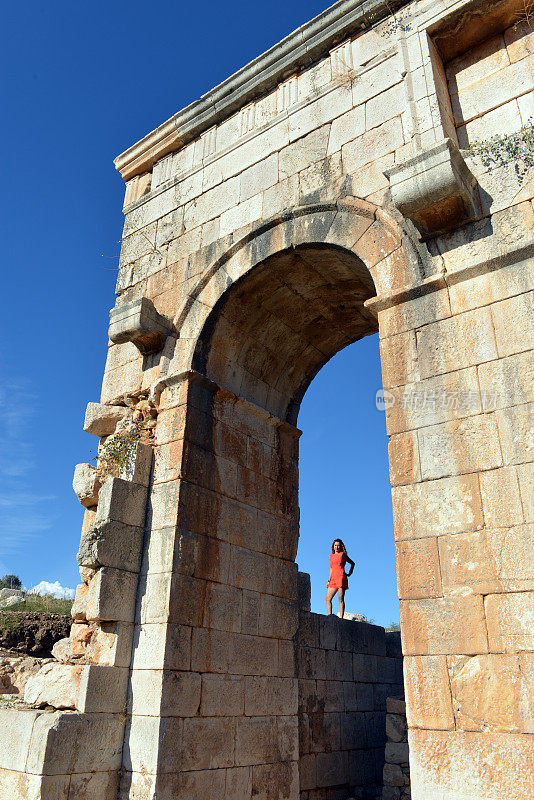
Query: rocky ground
<point x="32" y="633"/>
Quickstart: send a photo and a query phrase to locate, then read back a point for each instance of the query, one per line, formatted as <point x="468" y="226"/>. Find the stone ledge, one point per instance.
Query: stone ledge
<point x="301" y="48"/>
<point x="435" y="189"/>
<point x="140" y="323"/>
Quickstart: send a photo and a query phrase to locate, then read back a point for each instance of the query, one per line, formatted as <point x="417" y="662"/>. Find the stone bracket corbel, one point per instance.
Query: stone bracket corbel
<point x="140" y="323"/>
<point x="435" y="190"/>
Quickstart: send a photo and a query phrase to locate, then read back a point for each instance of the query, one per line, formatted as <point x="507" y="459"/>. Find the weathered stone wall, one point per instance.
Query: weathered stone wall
<point x="346" y="669"/>
<point x="317" y="196"/>
<point x="396" y="774"/>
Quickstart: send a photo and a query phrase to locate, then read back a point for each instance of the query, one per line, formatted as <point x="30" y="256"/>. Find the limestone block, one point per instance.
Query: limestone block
<point x="403" y="454"/>
<point x="56" y="685"/>
<point x="180" y="693"/>
<point x="398" y="356"/>
<point x="7" y="602"/>
<point x="462" y="769"/>
<point x="428" y="696"/>
<point x="332" y="769"/>
<point x="65" y="743"/>
<point x="396" y="705"/>
<point x="79" y="607"/>
<point x="259" y="177"/>
<point x="364" y="667"/>
<point x="142" y="738"/>
<point x="5" y="593"/>
<point x="265" y="739"/>
<point x="121" y="501"/>
<point x="304" y="593"/>
<point x="418" y="568"/>
<point x="489" y="285"/>
<point x="94" y="786"/>
<point x="111" y="595"/>
<point x="507" y="381"/>
<point x="487" y="561"/>
<point x="513" y="320"/>
<point x="372" y="145"/>
<point x="461" y="341"/>
<point x="14" y="750"/>
<point x="34" y="787"/>
<point x="244" y="213"/>
<point x="111" y="644"/>
<point x="138" y="465"/>
<point x="396" y="752"/>
<point x="415" y="313"/>
<point x="278" y="781"/>
<point x="86" y="484"/>
<point x="277" y="696"/>
<point x="208" y="743"/>
<point x="101" y="420"/>
<point x="395" y="727"/>
<point x="460" y="446"/>
<point x="307" y="772"/>
<point x="510" y="620"/>
<point x="492" y="692"/>
<point x="393" y="775"/>
<point x="346" y="128"/>
<point x="111" y="544"/>
<point x="443" y="625"/>
<point x="434" y="189"/>
<point x="139" y="322"/>
<point x="501" y="500"/>
<point x="222" y="695"/>
<point x="526" y="487"/>
<point x="306" y="151"/>
<point x="210" y="651"/>
<point x="451" y="505"/>
<point x="252" y="655"/>
<point x="102" y="689"/>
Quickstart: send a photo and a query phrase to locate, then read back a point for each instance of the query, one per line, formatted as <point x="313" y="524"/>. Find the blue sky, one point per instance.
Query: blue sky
<point x="80" y="83"/>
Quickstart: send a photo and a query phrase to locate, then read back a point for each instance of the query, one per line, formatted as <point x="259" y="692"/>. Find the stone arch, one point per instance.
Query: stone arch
<point x="372" y="235"/>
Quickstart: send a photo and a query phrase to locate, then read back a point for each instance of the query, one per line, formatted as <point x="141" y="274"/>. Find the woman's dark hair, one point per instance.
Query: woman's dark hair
<point x="341" y="543"/>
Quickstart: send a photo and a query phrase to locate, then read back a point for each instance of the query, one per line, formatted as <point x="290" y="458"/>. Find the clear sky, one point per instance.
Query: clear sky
<point x="80" y="83"/>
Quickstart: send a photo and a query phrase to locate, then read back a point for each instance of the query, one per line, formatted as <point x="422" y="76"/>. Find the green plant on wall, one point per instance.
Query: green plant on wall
<point x="116" y="451"/>
<point x="514" y="148"/>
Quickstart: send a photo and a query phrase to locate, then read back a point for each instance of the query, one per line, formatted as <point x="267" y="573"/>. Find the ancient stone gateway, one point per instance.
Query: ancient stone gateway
<point x="318" y="196"/>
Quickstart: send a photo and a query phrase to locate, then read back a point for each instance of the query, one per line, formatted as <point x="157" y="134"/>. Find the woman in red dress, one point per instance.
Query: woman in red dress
<point x="337" y="579"/>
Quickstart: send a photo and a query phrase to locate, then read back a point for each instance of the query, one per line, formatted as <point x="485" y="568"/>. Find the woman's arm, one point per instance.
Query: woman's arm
<point x="329" y="576"/>
<point x="352" y="564"/>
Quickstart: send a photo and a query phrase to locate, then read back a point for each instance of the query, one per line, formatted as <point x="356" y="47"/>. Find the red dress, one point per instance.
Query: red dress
<point x="337" y="565"/>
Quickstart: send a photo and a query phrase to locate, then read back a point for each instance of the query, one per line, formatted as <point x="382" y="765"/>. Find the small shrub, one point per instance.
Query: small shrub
<point x="516" y="148"/>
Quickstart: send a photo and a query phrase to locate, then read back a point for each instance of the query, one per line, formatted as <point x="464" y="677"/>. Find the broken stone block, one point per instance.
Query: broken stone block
<point x="7" y="602"/>
<point x="78" y="609"/>
<point x="140" y="323"/>
<point x="5" y="592"/>
<point x="122" y="501"/>
<point x="137" y="467"/>
<point x="55" y="685"/>
<point x="86" y="484"/>
<point x="435" y="189"/>
<point x="101" y="420"/>
<point x="111" y="595"/>
<point x="395" y="727"/>
<point x="111" y="544"/>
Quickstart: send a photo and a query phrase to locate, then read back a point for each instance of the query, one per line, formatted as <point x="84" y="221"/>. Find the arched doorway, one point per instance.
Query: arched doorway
<point x="265" y="317"/>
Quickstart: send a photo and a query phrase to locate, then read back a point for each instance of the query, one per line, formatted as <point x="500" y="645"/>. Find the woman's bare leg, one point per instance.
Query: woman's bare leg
<point x="329" y="595"/>
<point x="341" y="603"/>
